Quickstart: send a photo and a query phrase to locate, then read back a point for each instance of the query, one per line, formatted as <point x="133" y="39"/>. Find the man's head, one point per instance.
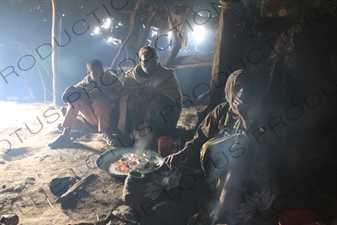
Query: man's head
<point x="95" y="69"/>
<point x="148" y="59"/>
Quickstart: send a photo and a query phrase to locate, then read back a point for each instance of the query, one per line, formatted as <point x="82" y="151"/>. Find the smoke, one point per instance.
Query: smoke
<point x="256" y="161"/>
<point x="240" y="166"/>
<point x="222" y="185"/>
<point x="142" y="141"/>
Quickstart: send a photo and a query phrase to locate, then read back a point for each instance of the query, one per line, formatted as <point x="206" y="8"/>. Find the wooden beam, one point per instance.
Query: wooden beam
<point x="187" y="62"/>
<point x="193" y="59"/>
<point x="192" y="66"/>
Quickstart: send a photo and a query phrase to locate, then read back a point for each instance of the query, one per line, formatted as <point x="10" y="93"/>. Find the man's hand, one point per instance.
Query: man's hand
<point x="174" y="158"/>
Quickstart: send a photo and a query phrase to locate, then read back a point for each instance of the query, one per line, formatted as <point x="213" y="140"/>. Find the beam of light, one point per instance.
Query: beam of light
<point x="96" y="30"/>
<point x="113" y="41"/>
<point x="107" y="23"/>
<point x="154" y="33"/>
<point x="198" y="34"/>
<point x="110" y="39"/>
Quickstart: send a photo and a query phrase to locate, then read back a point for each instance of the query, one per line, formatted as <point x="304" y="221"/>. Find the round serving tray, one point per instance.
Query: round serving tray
<point x="107" y="161"/>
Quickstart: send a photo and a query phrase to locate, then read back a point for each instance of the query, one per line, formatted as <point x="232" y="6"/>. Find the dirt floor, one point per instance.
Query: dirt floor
<point x="34" y="177"/>
<point x="28" y="168"/>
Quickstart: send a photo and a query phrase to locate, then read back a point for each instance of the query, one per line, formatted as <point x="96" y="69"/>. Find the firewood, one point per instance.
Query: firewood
<point x="76" y="186"/>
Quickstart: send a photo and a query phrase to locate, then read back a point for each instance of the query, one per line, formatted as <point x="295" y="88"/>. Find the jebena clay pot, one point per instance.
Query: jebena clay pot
<point x="135" y="176"/>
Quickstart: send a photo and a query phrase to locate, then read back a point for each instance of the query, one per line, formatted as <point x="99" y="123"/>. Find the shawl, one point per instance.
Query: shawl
<point x="230" y="84"/>
<point x="163" y="82"/>
<point x="109" y="84"/>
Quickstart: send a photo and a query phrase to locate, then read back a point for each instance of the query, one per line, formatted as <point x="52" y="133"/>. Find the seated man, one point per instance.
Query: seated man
<point x="151" y="100"/>
<point x="95" y="98"/>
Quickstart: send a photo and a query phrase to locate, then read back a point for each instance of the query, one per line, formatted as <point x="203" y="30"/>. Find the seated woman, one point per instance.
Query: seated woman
<point x="216" y="146"/>
<point x="225" y="120"/>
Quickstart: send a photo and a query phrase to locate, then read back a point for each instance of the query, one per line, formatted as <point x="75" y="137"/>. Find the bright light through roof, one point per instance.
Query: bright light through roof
<point x="198" y="33"/>
<point x="96" y="31"/>
<point x="114" y="41"/>
<point x="107" y="23"/>
<point x="154" y="33"/>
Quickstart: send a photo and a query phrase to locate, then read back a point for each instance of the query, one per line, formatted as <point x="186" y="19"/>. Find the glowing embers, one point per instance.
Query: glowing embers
<point x="117" y="161"/>
<point x="132" y="162"/>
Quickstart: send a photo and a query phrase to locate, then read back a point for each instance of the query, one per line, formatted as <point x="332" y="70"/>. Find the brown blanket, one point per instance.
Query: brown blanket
<point x="163" y="82"/>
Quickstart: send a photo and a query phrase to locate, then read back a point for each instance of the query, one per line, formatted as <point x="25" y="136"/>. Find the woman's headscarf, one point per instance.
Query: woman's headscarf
<point x="230" y="84"/>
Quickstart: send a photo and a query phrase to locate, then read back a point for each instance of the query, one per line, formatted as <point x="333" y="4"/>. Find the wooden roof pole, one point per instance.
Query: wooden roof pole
<point x="134" y="21"/>
<point x="55" y="32"/>
<point x="177" y="39"/>
<point x="217" y="78"/>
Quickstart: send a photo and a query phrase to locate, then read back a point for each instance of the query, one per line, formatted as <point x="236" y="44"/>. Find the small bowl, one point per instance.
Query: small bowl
<point x="133" y="165"/>
<point x="125" y="160"/>
<point x="128" y="155"/>
<point x="140" y="155"/>
<point x="142" y="162"/>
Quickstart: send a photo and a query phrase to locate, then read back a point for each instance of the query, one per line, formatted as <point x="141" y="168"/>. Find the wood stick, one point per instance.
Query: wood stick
<point x="76" y="186"/>
<point x="50" y="203"/>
